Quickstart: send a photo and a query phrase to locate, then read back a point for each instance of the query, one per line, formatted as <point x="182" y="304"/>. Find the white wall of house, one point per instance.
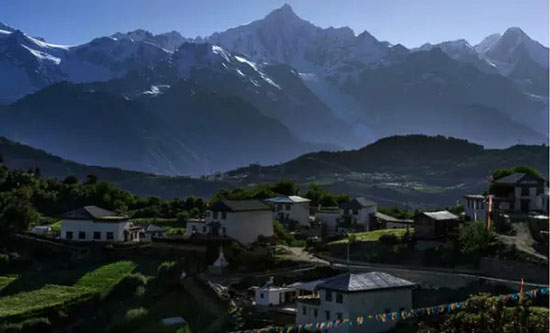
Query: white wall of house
<point x="475" y="209"/>
<point x="243" y="226"/>
<point x="247" y="226"/>
<point x="272" y="295"/>
<point x="296" y="211"/>
<point x="199" y="228"/>
<point x="90" y="228"/>
<point x="330" y="218"/>
<point x="536" y="201"/>
<point x="363" y="215"/>
<point x="356" y="304"/>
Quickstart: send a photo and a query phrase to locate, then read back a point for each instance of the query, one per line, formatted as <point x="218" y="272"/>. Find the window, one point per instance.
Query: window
<point x="110" y="235"/>
<point x="304" y="310"/>
<point x="327" y="315"/>
<point x="69" y="234"/>
<point x="355" y="212"/>
<point x="524" y="191"/>
<point x="223" y="230"/>
<point x="224" y="215"/>
<point x="81" y="235"/>
<point x="287" y="206"/>
<point x="203" y="229"/>
<point x="97" y="235"/>
<point x="540" y="190"/>
<point x="315" y="313"/>
<point x="339" y="315"/>
<point x="339" y="298"/>
<point x="328" y="296"/>
<point x="215" y="215"/>
<point x="280" y="207"/>
<point x="261" y="295"/>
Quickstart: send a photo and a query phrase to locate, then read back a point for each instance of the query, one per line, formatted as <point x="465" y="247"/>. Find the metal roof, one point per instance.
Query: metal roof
<point x="288" y="199"/>
<point x="239" y="205"/>
<point x="441" y="215"/>
<point x="358" y="203"/>
<point x="92" y="213"/>
<point x="354" y="282"/>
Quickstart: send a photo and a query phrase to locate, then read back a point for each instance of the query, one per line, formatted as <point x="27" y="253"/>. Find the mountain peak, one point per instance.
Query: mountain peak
<point x="284" y="13"/>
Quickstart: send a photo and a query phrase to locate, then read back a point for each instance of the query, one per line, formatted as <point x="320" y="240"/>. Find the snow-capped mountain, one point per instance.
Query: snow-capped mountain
<point x="169" y="41"/>
<point x="308" y="86"/>
<point x="461" y="50"/>
<point x="283" y="37"/>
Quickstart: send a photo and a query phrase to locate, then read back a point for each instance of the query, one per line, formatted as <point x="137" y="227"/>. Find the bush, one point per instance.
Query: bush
<point x="4" y="260"/>
<point x="129" y="284"/>
<point x="168" y="272"/>
<point x="389" y="239"/>
<point x="476" y="240"/>
<point x="36" y="325"/>
<point x="136" y="314"/>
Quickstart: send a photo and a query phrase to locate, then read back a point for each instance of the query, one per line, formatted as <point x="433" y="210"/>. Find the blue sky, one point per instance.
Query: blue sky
<point x="409" y="22"/>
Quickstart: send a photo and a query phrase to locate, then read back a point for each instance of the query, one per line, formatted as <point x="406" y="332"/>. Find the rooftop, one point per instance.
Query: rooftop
<point x="475" y="196"/>
<point x="354" y="282"/>
<point x="518" y="177"/>
<point x="358" y="203"/>
<point x="388" y="218"/>
<point x="441" y="215"/>
<point x="288" y="199"/>
<point x="239" y="205"/>
<point x="93" y="213"/>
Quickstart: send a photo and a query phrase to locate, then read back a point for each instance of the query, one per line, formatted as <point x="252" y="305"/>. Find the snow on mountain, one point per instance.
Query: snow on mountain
<point x="283" y="37"/>
<point x="169" y="41"/>
<point x="510" y="46"/>
<point x="461" y="50"/>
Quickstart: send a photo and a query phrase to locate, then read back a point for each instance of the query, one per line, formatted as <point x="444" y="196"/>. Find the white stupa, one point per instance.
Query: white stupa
<point x="221" y="261"/>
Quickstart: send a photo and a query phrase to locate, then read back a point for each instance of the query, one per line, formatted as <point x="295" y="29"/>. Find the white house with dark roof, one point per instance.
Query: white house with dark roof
<point x="242" y="220"/>
<point x="521" y="193"/>
<point x="350" y="295"/>
<point x="92" y="223"/>
<point x="357" y="214"/>
<point x="290" y="208"/>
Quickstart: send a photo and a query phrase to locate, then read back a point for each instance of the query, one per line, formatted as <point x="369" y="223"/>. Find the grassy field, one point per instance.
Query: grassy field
<point x="104" y="278"/>
<point x="99" y="281"/>
<point x="6" y="280"/>
<point x="373" y="236"/>
<point x="36" y="300"/>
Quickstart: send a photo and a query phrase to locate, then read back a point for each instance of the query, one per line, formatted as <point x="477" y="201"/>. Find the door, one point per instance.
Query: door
<point x="525" y="205"/>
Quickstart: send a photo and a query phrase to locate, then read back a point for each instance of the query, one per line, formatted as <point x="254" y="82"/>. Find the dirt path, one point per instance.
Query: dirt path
<point x="522" y="239"/>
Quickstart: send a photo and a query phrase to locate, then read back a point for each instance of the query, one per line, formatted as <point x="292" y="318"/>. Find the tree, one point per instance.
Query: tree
<point x="501" y="173"/>
<point x="285" y="187"/>
<point x="475" y="239"/>
<point x="17" y="211"/>
<point x="71" y="180"/>
<point x="91" y="180"/>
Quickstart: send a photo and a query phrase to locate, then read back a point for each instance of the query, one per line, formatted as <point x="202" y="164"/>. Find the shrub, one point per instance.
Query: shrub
<point x="389" y="239"/>
<point x="4" y="260"/>
<point x="36" y="325"/>
<point x="475" y="239"/>
<point x="136" y="314"/>
<point x="168" y="271"/>
<point x="130" y="283"/>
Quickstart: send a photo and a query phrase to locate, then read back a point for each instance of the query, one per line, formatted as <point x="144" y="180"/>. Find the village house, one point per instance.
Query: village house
<point x="271" y="295"/>
<point x="328" y="216"/>
<point x="520" y="193"/>
<point x="475" y="207"/>
<point x="243" y="220"/>
<point x="92" y="223"/>
<point x="436" y="225"/>
<point x="152" y="230"/>
<point x="357" y="214"/>
<point x="350" y="295"/>
<point x="196" y="227"/>
<point x="389" y="222"/>
<point x="291" y="208"/>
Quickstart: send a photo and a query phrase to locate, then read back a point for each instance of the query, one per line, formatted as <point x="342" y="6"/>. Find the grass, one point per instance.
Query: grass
<point x="41" y="299"/>
<point x="6" y="280"/>
<point x="104" y="278"/>
<point x="373" y="236"/>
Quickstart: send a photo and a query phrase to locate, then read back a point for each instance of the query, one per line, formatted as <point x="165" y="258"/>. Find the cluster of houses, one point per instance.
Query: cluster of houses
<point x="248" y="221"/>
<point x="344" y="296"/>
